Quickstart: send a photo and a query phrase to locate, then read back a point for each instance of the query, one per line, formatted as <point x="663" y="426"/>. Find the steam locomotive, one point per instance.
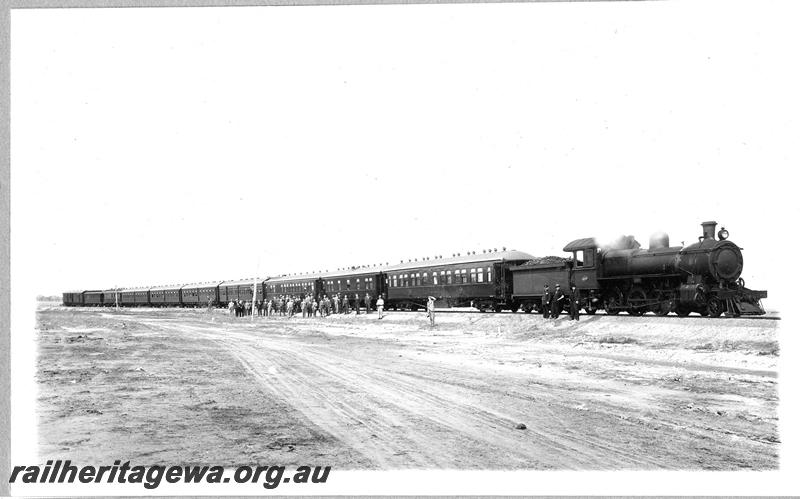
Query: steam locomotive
<point x="620" y="276"/>
<point x="616" y="277"/>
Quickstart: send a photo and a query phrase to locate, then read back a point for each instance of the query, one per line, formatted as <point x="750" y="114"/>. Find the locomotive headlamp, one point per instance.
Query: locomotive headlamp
<point x="722" y="234"/>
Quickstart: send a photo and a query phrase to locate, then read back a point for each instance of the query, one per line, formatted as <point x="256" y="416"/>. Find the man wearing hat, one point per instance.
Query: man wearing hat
<point x="546" y="296"/>
<point x="558" y="296"/>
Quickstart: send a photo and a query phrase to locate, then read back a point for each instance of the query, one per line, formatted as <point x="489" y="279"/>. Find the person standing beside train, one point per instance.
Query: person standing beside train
<point x="558" y="297"/>
<point x="431" y="310"/>
<point x="357" y="305"/>
<point x="575" y="304"/>
<point x="546" y="296"/>
<point x="379" y="303"/>
<point x="367" y="300"/>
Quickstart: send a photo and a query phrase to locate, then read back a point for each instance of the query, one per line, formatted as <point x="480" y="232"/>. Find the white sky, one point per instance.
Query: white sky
<point x="144" y="141"/>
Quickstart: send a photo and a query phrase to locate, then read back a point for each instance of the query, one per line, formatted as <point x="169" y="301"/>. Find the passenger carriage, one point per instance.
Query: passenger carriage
<point x="479" y="280"/>
<point x="359" y="281"/>
<point x="165" y="296"/>
<point x="72" y="298"/>
<point x="241" y="289"/>
<point x="111" y="297"/>
<point x="199" y="294"/>
<point x="300" y="285"/>
<point x="134" y="297"/>
<point x="93" y="298"/>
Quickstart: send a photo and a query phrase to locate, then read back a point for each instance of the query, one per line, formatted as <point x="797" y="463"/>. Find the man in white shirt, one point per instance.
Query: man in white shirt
<point x="379" y="304"/>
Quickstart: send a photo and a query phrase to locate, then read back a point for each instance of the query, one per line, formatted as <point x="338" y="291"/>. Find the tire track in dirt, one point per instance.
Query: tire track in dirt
<point x="397" y="417"/>
<point x="377" y="420"/>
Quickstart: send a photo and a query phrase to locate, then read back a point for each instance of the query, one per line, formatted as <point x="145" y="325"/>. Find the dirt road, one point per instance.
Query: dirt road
<point x="354" y="392"/>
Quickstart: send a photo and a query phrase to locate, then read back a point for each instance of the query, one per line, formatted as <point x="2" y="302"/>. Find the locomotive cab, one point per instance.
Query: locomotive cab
<point x="585" y="257"/>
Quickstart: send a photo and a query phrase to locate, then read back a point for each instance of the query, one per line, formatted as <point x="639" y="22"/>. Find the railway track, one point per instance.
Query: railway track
<point x="583" y="314"/>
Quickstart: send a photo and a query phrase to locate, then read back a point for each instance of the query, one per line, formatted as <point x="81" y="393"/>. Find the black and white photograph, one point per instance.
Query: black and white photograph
<point x="469" y="248"/>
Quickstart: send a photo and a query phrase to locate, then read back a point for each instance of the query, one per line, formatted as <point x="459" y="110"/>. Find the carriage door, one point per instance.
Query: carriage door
<point x="500" y="281"/>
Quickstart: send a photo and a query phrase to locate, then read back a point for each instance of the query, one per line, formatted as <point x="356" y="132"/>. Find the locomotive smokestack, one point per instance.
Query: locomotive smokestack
<point x="708" y="229"/>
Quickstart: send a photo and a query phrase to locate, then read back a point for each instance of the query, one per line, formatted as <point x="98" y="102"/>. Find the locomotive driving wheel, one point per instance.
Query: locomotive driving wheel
<point x="661" y="303"/>
<point x="637" y="302"/>
<point x="611" y="306"/>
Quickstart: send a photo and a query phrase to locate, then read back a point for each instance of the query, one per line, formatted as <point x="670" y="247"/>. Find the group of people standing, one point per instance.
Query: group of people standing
<point x="554" y="301"/>
<point x="308" y="305"/>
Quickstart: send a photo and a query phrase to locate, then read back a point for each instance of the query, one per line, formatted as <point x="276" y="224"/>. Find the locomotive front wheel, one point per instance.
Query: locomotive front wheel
<point x="683" y="311"/>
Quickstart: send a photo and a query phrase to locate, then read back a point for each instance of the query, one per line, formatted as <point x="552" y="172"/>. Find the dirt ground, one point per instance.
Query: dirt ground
<point x="197" y="387"/>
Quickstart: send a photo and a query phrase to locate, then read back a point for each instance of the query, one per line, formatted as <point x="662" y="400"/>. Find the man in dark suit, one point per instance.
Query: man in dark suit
<point x="558" y="298"/>
<point x="575" y="304"/>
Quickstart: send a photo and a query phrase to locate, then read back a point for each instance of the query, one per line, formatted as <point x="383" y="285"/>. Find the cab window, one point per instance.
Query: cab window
<point x="589" y="258"/>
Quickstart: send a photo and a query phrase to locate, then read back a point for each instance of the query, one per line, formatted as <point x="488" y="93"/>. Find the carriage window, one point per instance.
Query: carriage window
<point x="424" y="278"/>
<point x="480" y="275"/>
<point x="394" y="281"/>
<point x="472" y="276"/>
<point x="579" y="258"/>
<point x="449" y="277"/>
<point x="488" y="274"/>
<point x="435" y="279"/>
